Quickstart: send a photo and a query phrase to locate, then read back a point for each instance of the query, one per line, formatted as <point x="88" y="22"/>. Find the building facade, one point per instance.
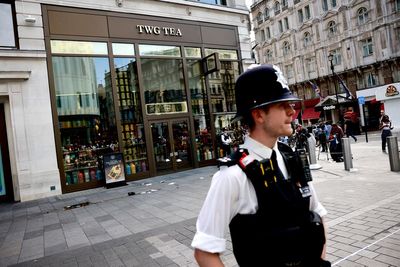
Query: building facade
<point x="322" y="42"/>
<point x="149" y="81"/>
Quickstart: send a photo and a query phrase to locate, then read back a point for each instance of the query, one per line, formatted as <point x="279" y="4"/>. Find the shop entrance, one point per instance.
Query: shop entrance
<point x="171" y="146"/>
<point x="6" y="189"/>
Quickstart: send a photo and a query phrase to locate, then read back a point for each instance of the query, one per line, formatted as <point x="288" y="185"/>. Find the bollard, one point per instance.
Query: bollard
<point x="393" y="149"/>
<point x="311" y="153"/>
<point x="347" y="157"/>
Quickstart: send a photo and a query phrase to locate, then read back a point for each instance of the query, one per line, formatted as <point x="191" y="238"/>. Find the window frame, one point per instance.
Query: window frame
<point x="14" y="23"/>
<point x="277" y="7"/>
<point x="362" y="15"/>
<point x="367" y="46"/>
<point x="332" y="28"/>
<point x="268" y="55"/>
<point x="307" y="12"/>
<point x="300" y="15"/>
<point x="307" y="39"/>
<point x="286" y="48"/>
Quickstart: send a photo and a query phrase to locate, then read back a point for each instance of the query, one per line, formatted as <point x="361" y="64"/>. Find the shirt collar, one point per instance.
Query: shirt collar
<point x="257" y="149"/>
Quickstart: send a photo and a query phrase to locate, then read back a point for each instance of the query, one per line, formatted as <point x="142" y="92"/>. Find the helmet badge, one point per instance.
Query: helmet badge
<point x="280" y="78"/>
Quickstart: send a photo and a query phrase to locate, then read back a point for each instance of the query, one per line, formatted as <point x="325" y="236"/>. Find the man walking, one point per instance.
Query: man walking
<point x="273" y="213"/>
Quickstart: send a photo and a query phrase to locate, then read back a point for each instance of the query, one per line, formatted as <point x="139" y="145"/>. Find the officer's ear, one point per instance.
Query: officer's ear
<point x="257" y="115"/>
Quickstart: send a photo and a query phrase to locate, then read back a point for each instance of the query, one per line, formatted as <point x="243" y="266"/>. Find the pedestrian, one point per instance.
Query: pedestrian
<point x="386" y="127"/>
<point x="335" y="142"/>
<point x="350" y="119"/>
<point x="272" y="212"/>
<point x="226" y="142"/>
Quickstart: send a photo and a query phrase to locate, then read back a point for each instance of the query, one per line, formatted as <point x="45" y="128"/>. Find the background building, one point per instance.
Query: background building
<point x="80" y="79"/>
<point x="324" y="41"/>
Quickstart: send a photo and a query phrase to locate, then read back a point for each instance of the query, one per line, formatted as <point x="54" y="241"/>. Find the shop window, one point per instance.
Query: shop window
<point x="132" y="130"/>
<point x="86" y="115"/>
<point x="79" y="48"/>
<point x="123" y="49"/>
<point x="7" y="25"/>
<point x="163" y="86"/>
<point x="200" y="111"/>
<point x="222" y="53"/>
<point x="193" y="52"/>
<point x="159" y="50"/>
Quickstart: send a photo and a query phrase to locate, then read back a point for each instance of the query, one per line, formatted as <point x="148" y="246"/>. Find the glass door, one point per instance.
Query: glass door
<point x="171" y="146"/>
<point x="6" y="189"/>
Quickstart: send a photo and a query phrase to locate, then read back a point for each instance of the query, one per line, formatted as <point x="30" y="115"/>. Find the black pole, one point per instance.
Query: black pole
<point x="365" y="124"/>
<point x="330" y="57"/>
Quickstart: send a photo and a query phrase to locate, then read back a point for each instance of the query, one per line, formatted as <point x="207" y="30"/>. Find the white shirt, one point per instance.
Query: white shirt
<point x="230" y="193"/>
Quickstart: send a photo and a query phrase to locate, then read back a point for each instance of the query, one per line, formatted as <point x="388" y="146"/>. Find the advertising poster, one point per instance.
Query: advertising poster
<point x="114" y="168"/>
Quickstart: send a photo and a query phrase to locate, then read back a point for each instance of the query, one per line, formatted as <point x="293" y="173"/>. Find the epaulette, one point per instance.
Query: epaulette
<point x="240" y="157"/>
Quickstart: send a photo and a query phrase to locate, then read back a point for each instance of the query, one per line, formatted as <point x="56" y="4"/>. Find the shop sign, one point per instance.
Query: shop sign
<point x="163" y="108"/>
<point x="167" y="31"/>
<point x="114" y="168"/>
<point x="391" y="90"/>
<point x="329" y="107"/>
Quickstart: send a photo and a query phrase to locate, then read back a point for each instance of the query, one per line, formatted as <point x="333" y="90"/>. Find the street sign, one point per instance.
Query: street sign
<point x="361" y="100"/>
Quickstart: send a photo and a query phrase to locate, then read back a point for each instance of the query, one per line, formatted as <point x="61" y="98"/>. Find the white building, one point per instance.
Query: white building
<point x="45" y="146"/>
<point x="363" y="38"/>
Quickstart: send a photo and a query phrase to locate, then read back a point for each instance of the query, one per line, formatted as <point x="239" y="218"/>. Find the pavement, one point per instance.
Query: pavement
<point x="151" y="222"/>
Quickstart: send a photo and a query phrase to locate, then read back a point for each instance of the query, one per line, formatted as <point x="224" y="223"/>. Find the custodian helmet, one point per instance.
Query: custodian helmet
<point x="261" y="86"/>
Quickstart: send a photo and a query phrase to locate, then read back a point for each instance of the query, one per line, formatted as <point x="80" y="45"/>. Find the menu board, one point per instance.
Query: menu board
<point x="114" y="168"/>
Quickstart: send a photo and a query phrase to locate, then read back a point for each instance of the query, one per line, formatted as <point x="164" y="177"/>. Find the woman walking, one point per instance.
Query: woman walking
<point x="386" y="127"/>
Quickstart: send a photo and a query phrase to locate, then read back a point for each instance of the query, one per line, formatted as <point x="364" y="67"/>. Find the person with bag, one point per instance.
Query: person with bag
<point x="386" y="127"/>
<point x="263" y="195"/>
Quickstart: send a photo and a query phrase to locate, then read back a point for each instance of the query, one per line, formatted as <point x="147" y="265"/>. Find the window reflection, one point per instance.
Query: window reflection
<point x="163" y="85"/>
<point x="134" y="142"/>
<point x="7" y="36"/>
<point x="201" y="114"/>
<point x="86" y="115"/>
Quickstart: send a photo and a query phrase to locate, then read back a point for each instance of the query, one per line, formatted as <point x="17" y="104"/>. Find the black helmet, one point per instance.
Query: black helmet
<point x="261" y="86"/>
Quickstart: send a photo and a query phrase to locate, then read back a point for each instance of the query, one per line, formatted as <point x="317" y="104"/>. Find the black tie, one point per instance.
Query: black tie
<point x="275" y="167"/>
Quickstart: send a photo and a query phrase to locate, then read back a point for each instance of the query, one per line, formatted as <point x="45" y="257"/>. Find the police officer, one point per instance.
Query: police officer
<point x="274" y="217"/>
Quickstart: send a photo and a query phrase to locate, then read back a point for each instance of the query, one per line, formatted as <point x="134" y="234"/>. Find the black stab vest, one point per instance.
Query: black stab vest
<point x="283" y="231"/>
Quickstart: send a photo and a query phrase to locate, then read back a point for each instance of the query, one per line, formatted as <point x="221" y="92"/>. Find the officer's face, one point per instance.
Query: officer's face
<point x="278" y="118"/>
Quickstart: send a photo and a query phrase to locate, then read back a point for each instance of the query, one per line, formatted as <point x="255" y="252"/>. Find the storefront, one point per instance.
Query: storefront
<point x="156" y="89"/>
<point x="386" y="98"/>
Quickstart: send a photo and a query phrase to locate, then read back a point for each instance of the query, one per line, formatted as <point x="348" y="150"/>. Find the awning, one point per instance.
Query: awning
<point x="296" y="114"/>
<point x="310" y="113"/>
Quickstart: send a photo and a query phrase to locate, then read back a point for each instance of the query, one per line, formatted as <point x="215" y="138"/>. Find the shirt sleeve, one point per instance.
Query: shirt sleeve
<point x="315" y="205"/>
<point x="218" y="209"/>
